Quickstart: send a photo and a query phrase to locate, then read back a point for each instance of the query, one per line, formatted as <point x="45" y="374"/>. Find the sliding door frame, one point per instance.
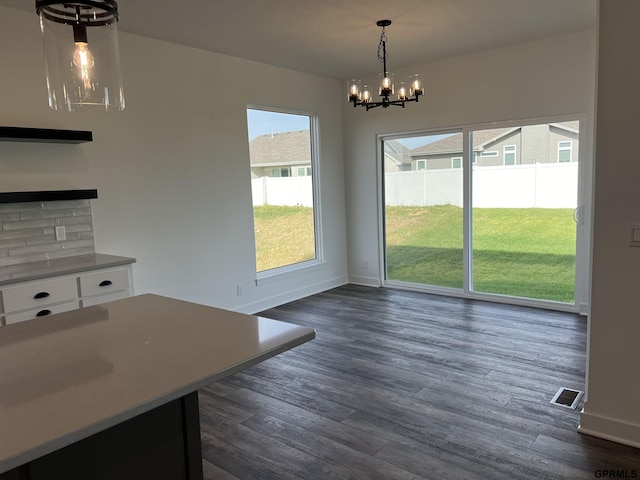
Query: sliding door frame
<point x="583" y="216"/>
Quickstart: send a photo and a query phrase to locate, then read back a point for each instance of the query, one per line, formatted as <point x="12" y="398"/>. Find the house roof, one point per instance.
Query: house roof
<point x="396" y="152"/>
<point x="481" y="138"/>
<point x="286" y="148"/>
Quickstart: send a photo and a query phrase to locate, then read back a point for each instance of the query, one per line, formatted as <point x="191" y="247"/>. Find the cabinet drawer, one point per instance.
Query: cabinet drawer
<point x="104" y="282"/>
<point x="36" y="295"/>
<point x="40" y="312"/>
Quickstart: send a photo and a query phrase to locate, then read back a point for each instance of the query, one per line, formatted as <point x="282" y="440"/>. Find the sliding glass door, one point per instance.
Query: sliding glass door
<point x="423" y="210"/>
<point x="525" y="190"/>
<point x="496" y="217"/>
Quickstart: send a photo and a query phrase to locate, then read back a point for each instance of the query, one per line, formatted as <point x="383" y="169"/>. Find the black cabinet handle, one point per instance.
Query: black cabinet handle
<point x="41" y="295"/>
<point x="106" y="283"/>
<point x="43" y="313"/>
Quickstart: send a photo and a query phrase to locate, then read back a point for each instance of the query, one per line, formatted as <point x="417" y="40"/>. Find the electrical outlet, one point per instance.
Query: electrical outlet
<point x="365" y="264"/>
<point x="61" y="233"/>
<point x="240" y="289"/>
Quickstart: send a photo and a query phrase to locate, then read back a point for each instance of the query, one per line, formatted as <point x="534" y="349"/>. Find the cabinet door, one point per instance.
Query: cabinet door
<point x="38" y="294"/>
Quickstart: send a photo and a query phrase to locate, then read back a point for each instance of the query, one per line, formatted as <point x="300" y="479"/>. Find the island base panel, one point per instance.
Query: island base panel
<point x="163" y="443"/>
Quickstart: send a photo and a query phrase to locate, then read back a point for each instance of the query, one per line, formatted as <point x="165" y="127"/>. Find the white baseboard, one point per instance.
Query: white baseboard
<point x="292" y="295"/>
<point x="609" y="429"/>
<point x="365" y="281"/>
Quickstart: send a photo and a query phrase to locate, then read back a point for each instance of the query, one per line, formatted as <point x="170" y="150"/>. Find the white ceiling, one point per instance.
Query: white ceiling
<point x="338" y="38"/>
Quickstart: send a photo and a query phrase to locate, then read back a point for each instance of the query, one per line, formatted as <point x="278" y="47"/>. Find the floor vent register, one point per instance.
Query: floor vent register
<point x="567" y="397"/>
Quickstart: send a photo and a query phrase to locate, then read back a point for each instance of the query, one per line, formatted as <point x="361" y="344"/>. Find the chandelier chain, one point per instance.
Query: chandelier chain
<point x="381" y="46"/>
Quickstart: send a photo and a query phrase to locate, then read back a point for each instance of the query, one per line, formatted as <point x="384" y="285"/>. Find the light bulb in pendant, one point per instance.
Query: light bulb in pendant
<point x="84" y="62"/>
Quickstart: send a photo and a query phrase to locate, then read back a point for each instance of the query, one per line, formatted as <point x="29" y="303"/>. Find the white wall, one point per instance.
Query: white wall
<point x="613" y="396"/>
<point x="555" y="76"/>
<point x="172" y="170"/>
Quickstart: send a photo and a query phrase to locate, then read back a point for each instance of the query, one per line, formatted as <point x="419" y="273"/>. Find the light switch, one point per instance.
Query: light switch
<point x="61" y="233"/>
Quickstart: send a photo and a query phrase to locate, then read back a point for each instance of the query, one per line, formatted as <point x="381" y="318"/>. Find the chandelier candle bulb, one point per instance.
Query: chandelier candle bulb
<point x="366" y="95"/>
<point x="353" y="88"/>
<point x="386" y="84"/>
<point x="416" y="85"/>
<point x="402" y="92"/>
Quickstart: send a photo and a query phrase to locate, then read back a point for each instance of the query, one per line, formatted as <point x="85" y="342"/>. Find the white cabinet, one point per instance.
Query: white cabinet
<point x="28" y="300"/>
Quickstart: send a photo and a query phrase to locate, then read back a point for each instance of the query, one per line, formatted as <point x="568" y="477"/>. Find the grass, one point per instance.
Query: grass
<point x="518" y="252"/>
<point x="284" y="236"/>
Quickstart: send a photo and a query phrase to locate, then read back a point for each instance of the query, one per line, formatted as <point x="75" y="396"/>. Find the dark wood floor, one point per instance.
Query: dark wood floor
<point x="404" y="385"/>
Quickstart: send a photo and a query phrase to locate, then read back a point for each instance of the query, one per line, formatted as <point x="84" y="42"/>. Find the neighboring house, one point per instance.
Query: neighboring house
<point x="545" y="143"/>
<point x="397" y="157"/>
<point x="286" y="154"/>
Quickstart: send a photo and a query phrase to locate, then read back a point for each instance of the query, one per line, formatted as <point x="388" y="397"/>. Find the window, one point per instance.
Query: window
<point x="564" y="151"/>
<point x="509" y="154"/>
<point x="456" y="162"/>
<point x="421" y="164"/>
<point x="489" y="153"/>
<point x="284" y="214"/>
<point x="281" y="172"/>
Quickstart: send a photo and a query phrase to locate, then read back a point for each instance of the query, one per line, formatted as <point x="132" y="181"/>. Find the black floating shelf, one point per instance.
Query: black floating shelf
<point x="44" y="135"/>
<point x="47" y="196"/>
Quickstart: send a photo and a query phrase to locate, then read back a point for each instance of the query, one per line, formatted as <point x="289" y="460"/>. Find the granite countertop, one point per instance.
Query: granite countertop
<point x="77" y="373"/>
<point x="60" y="266"/>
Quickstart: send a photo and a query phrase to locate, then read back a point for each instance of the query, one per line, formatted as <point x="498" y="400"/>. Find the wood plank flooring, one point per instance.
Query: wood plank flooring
<point x="405" y="385"/>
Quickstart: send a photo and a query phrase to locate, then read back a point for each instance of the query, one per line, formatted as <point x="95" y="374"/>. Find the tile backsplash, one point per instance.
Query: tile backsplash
<point x="28" y="230"/>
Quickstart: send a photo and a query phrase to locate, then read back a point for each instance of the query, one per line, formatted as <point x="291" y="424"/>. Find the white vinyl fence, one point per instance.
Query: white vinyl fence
<point x="287" y="191"/>
<point x="542" y="185"/>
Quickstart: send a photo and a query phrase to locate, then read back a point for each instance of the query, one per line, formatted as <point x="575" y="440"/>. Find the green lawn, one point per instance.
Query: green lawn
<point x="284" y="235"/>
<point x="519" y="252"/>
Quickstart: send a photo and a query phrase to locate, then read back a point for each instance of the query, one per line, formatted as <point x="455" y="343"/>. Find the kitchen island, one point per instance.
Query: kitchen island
<point x="110" y="391"/>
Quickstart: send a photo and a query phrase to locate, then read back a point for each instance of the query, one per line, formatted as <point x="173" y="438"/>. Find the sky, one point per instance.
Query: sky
<point x="261" y="122"/>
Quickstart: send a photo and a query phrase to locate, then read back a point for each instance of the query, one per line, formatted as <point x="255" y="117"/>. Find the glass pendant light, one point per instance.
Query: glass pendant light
<point x="82" y="58"/>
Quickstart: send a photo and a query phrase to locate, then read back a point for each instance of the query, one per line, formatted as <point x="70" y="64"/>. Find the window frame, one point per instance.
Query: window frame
<point x="285" y="271"/>
<point x="583" y="156"/>
<point x="489" y="153"/>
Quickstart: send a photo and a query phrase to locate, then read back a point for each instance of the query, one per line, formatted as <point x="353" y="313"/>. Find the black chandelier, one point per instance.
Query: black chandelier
<point x="361" y="96"/>
<point x="82" y="57"/>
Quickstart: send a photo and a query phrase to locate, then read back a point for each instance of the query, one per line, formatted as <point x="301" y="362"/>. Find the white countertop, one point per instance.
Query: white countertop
<point x="68" y="376"/>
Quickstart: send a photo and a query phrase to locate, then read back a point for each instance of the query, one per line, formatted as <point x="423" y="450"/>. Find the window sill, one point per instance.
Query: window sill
<point x="289" y="271"/>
